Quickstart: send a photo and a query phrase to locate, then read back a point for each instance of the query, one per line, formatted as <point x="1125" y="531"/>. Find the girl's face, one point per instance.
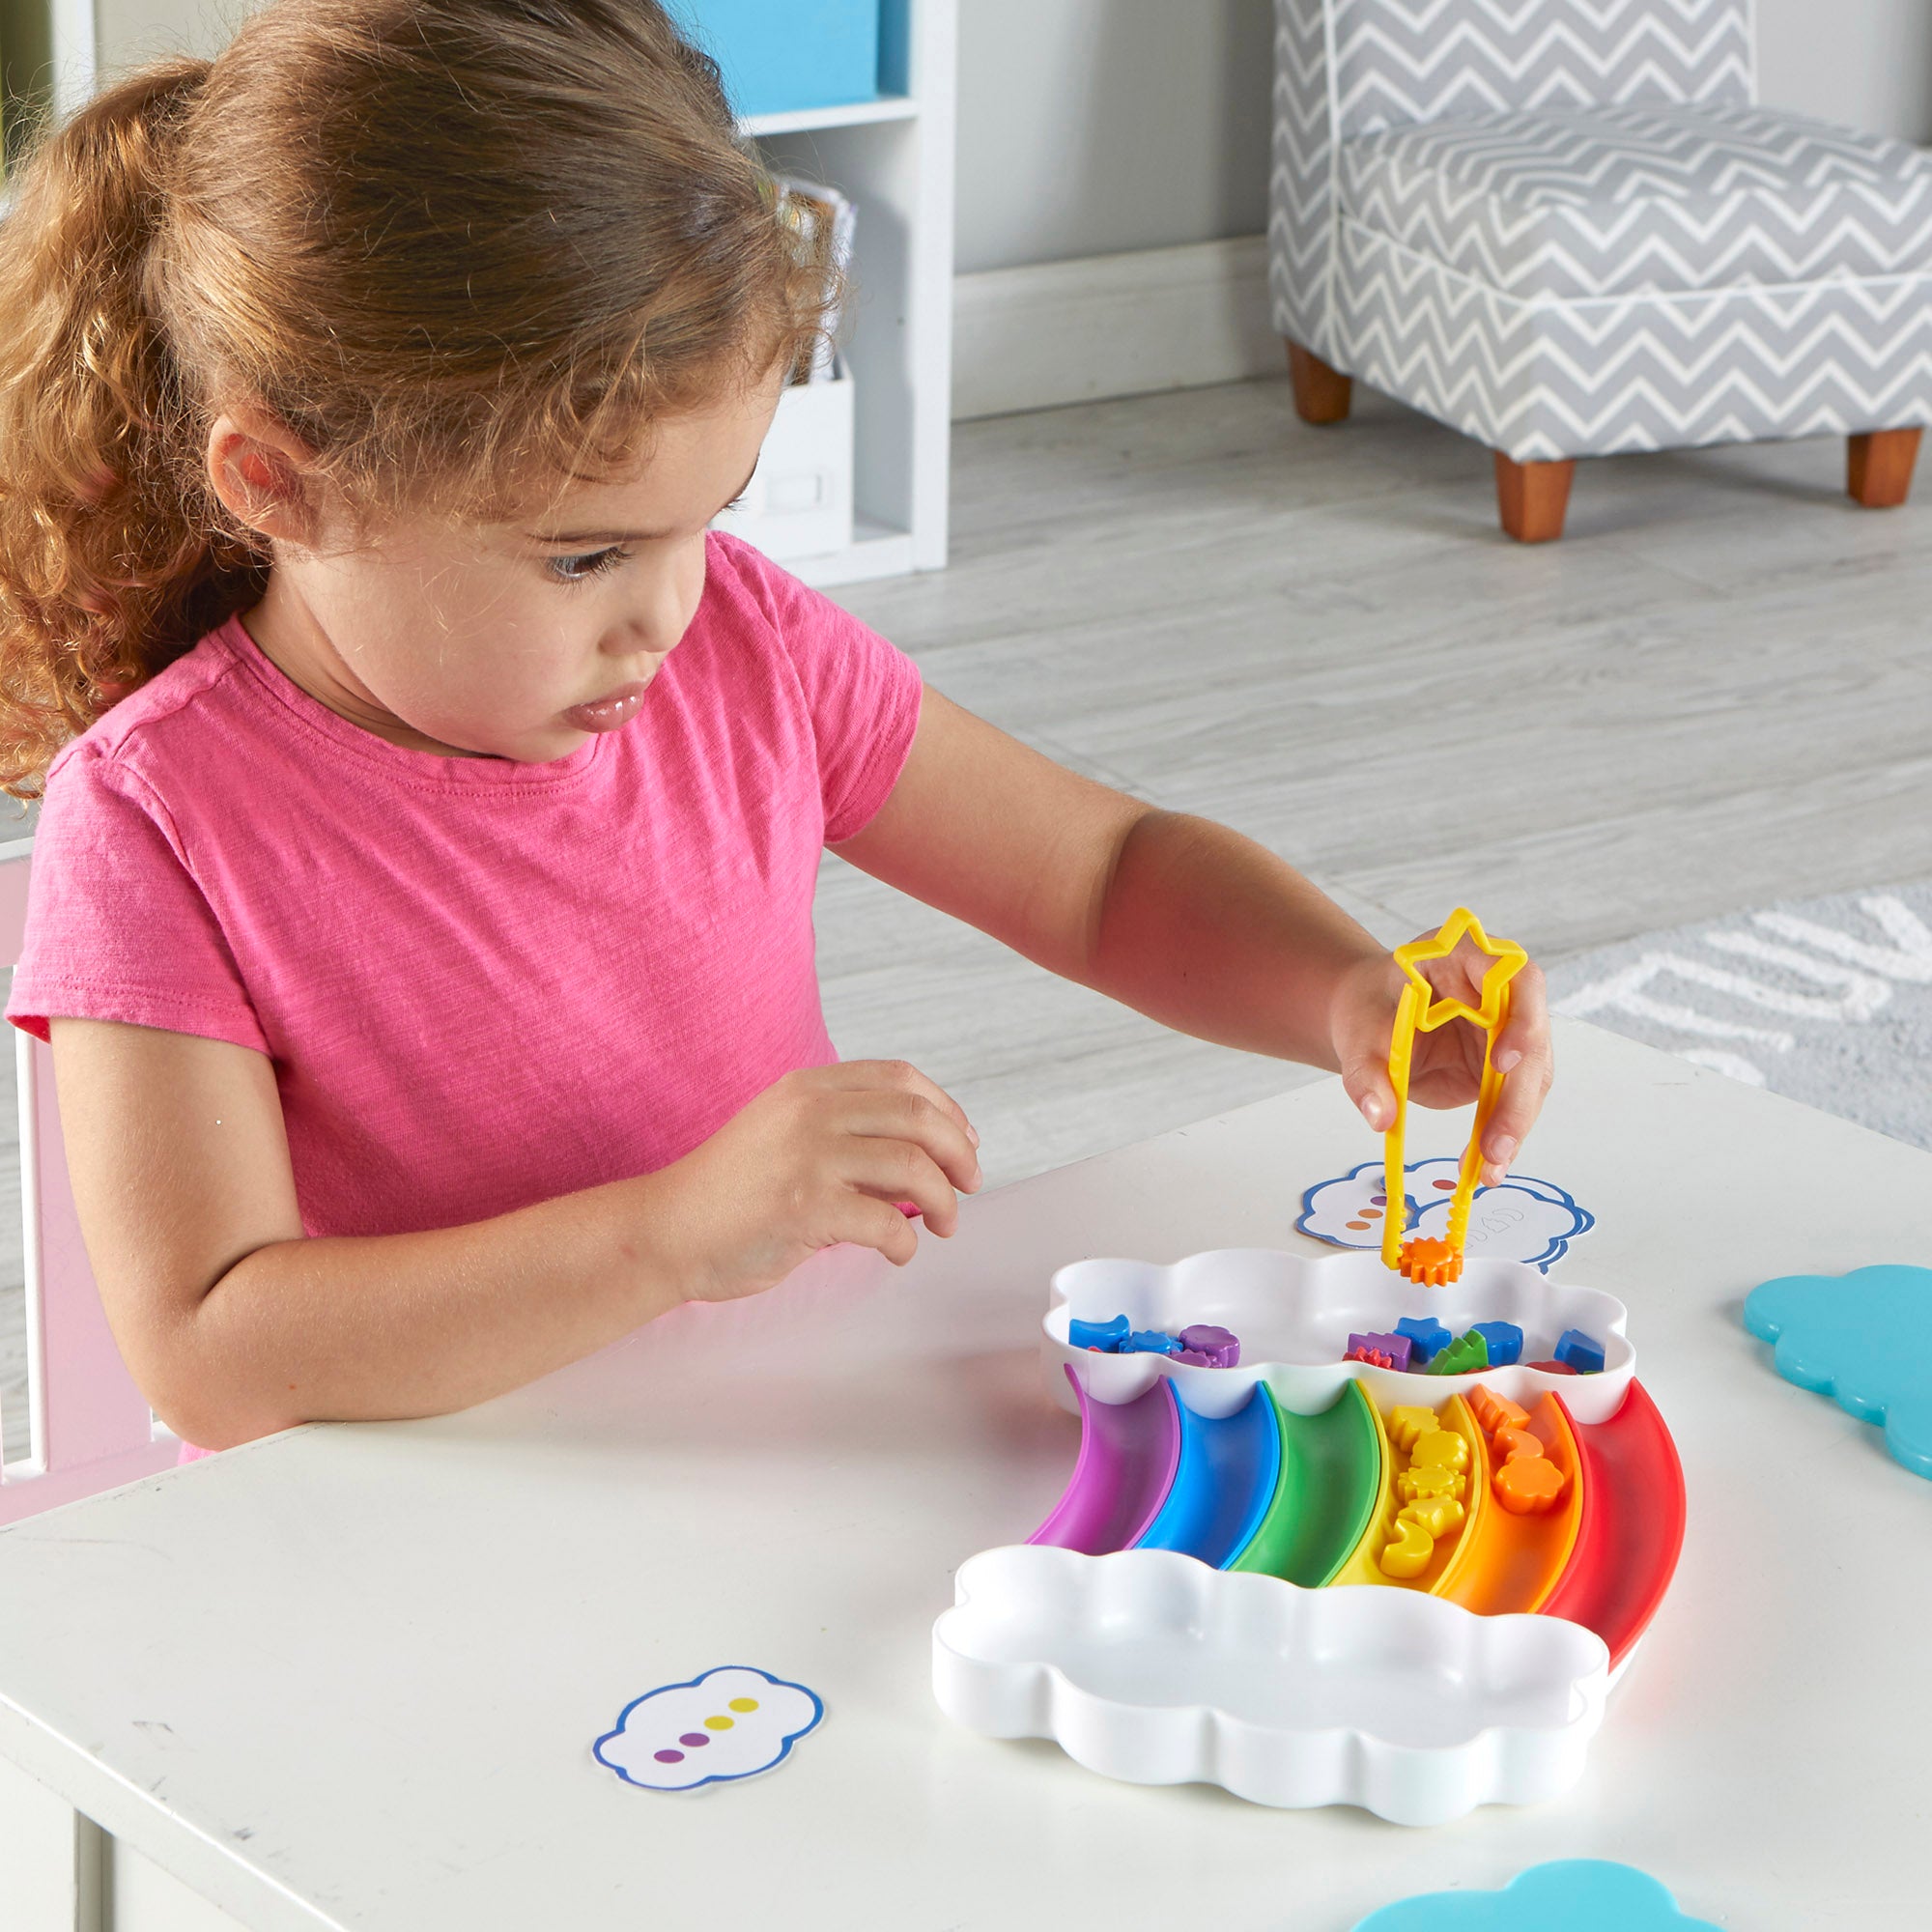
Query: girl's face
<point x="515" y="640"/>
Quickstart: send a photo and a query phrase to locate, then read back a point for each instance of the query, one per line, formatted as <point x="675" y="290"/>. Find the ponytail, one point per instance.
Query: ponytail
<point x="461" y="248"/>
<point x="108" y="565"/>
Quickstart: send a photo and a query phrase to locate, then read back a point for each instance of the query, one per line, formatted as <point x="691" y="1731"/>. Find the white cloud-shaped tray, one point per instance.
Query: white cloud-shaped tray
<point x="1149" y="1666"/>
<point x="1294" y="1313"/>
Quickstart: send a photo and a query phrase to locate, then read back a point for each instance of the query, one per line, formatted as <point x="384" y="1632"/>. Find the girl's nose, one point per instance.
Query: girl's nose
<point x="651" y="626"/>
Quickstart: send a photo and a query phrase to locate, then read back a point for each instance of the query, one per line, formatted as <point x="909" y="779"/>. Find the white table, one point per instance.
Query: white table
<point x="350" y="1677"/>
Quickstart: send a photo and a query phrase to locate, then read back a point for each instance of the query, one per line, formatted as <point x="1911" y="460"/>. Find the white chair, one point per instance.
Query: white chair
<point x="1566" y="228"/>
<point x="91" y="1429"/>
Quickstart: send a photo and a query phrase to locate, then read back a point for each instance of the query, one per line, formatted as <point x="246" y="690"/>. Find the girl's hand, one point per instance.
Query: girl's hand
<point x="821" y="1156"/>
<point x="1447" y="1066"/>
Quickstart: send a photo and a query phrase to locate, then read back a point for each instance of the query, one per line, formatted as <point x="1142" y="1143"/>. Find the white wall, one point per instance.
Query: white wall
<point x="1092" y="127"/>
<point x="131" y="31"/>
<point x="1864" y="62"/>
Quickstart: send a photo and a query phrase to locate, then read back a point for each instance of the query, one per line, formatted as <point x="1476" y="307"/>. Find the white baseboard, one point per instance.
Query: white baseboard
<point x="1111" y="326"/>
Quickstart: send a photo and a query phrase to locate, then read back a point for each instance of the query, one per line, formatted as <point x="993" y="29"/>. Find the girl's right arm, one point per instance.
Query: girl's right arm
<point x="235" y="1324"/>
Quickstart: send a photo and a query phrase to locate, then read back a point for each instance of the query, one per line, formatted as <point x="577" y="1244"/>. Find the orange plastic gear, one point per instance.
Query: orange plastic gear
<point x="1432" y="1262"/>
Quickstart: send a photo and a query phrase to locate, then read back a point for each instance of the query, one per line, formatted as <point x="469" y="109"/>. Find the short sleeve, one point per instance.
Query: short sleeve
<point x="117" y="928"/>
<point x="863" y="695"/>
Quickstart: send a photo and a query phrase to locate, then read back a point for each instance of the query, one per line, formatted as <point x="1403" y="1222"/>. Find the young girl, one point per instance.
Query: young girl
<point x="421" y="907"/>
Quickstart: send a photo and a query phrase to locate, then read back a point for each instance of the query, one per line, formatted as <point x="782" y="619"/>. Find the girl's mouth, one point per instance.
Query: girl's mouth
<point x="608" y="712"/>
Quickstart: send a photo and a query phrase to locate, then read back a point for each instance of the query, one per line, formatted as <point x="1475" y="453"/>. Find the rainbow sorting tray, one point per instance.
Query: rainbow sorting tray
<point x="1292" y="1470"/>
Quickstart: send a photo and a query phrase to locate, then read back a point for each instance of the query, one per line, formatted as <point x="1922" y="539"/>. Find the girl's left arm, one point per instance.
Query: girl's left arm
<point x="1180" y="918"/>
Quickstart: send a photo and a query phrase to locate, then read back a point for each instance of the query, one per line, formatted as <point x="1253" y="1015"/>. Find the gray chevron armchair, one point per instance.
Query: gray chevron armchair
<point x="1564" y="227"/>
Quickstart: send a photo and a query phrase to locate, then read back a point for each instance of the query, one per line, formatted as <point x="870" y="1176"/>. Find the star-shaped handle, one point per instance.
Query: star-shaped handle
<point x="1421" y="1010"/>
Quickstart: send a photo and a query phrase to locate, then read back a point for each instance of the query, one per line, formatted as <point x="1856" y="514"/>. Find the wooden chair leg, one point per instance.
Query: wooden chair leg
<point x="1878" y="466"/>
<point x="1320" y="393"/>
<point x="1532" y="498"/>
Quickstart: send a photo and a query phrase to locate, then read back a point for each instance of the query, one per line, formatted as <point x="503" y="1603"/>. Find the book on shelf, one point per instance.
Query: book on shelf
<point x="822" y="219"/>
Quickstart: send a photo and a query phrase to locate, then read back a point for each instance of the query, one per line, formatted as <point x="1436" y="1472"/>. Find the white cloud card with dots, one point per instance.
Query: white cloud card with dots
<point x="731" y="1722"/>
<point x="1522" y="1220"/>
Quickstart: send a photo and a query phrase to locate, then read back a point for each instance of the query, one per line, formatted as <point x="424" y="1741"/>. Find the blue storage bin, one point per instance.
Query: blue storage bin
<point x="779" y="56"/>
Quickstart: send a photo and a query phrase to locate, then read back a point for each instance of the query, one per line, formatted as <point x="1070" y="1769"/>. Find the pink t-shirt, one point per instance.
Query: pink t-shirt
<point x="482" y="984"/>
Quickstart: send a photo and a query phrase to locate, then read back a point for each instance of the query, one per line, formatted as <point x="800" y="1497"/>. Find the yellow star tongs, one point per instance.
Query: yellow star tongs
<point x="1423" y="1258"/>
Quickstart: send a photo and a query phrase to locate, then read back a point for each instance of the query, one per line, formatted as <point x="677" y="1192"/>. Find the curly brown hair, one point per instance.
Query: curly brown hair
<point x="464" y="249"/>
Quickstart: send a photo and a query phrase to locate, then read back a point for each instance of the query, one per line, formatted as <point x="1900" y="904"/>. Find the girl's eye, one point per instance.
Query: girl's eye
<point x="593" y="563"/>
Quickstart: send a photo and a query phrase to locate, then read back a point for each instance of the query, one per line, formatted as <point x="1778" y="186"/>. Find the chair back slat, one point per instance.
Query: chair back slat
<point x="90" y="1407"/>
<point x="90" y="1425"/>
<point x="13" y="873"/>
<point x="1403" y="61"/>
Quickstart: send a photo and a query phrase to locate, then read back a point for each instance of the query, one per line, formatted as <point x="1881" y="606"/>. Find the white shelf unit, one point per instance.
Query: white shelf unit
<point x="854" y="114"/>
<point x="892" y="156"/>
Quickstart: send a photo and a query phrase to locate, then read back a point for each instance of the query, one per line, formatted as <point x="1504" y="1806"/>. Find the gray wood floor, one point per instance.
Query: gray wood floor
<point x="1716" y="691"/>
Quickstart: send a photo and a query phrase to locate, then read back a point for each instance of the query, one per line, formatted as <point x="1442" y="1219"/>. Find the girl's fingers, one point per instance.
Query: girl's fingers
<point x="1366" y="1082"/>
<point x="1524" y="1054"/>
<point x="1361" y="1031"/>
<point x="905" y="1116"/>
<point x="872" y="1223"/>
<point x="901" y="1076"/>
<point x="897" y="1171"/>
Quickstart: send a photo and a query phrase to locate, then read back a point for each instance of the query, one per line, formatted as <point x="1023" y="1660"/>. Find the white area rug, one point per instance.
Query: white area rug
<point x="1829" y="1000"/>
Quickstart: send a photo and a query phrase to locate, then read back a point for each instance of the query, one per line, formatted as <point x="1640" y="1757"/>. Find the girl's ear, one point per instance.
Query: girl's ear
<point x="263" y="473"/>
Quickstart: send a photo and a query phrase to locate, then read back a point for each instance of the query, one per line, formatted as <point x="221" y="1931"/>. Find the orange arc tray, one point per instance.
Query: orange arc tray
<point x="1509" y="1563"/>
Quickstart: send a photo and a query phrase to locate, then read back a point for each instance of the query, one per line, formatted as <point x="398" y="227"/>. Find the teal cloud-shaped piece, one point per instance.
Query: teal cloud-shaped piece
<point x="1575" y="1894"/>
<point x="1865" y="1339"/>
